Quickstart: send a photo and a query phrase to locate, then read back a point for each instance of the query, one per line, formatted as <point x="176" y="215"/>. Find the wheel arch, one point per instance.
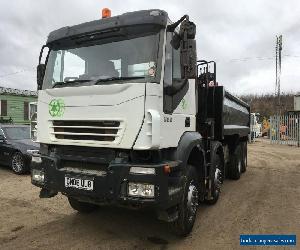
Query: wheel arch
<point x="190" y="148"/>
<point x="190" y="152"/>
<point x="13" y="151"/>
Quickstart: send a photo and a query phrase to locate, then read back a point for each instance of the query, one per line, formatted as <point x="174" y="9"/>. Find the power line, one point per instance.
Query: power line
<point x="242" y="59"/>
<point x="16" y="72"/>
<point x="296" y="56"/>
<point x="259" y="58"/>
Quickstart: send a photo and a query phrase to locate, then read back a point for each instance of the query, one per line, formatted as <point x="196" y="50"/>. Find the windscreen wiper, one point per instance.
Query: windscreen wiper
<point x="98" y="81"/>
<point x="95" y="82"/>
<point x="68" y="83"/>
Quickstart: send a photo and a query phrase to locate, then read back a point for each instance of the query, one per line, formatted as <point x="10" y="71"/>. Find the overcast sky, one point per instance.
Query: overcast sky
<point x="240" y="35"/>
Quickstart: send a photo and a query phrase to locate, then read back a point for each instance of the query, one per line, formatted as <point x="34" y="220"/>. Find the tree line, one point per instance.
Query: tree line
<point x="267" y="104"/>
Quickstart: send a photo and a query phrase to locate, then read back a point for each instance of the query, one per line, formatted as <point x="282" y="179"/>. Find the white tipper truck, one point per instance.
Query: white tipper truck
<point x="127" y="116"/>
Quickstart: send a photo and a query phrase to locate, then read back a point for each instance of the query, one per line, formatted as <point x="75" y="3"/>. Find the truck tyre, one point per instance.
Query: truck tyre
<point x="244" y="157"/>
<point x="82" y="207"/>
<point x="235" y="164"/>
<point x="18" y="164"/>
<point x="187" y="209"/>
<point x="216" y="180"/>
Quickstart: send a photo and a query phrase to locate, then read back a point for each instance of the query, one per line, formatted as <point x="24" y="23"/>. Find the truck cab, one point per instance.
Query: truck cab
<point x="121" y="122"/>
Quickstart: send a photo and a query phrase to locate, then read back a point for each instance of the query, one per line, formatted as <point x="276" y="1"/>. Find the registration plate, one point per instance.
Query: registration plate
<point x="79" y="183"/>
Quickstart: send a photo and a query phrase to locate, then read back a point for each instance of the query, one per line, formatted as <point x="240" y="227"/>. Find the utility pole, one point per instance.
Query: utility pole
<point x="278" y="71"/>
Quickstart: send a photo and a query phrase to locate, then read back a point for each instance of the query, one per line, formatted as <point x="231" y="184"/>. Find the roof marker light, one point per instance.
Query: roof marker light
<point x="106" y="12"/>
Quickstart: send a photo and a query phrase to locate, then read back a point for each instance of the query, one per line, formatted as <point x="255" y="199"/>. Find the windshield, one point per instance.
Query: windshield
<point x="17" y="133"/>
<point x="120" y="60"/>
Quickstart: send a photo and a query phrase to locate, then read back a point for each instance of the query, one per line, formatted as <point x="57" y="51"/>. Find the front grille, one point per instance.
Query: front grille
<point x="86" y="168"/>
<point x="83" y="165"/>
<point x="71" y="152"/>
<point x="101" y="131"/>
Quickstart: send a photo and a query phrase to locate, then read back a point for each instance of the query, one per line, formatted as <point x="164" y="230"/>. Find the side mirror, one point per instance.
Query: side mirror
<point x="186" y="41"/>
<point x="40" y="72"/>
<point x="188" y="60"/>
<point x="188" y="51"/>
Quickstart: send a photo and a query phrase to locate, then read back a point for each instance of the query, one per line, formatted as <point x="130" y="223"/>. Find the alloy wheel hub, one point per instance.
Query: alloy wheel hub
<point x="17" y="163"/>
<point x="218" y="179"/>
<point x="192" y="201"/>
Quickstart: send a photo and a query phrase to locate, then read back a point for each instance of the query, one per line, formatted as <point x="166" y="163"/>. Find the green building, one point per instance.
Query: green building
<point x="14" y="105"/>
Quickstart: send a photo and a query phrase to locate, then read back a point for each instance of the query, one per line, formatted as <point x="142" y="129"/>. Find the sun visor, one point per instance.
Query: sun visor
<point x="111" y="24"/>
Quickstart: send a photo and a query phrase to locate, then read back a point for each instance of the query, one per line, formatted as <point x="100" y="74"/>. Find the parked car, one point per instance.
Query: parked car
<point x="14" y="143"/>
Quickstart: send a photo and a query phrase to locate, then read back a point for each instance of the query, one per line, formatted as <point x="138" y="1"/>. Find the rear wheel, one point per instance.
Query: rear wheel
<point x="18" y="164"/>
<point x="235" y="164"/>
<point x="244" y="157"/>
<point x="187" y="209"/>
<point x="82" y="207"/>
<point x="216" y="180"/>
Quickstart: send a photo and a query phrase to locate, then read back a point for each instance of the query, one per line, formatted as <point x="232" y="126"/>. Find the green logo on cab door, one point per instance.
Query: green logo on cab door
<point x="57" y="108"/>
<point x="183" y="104"/>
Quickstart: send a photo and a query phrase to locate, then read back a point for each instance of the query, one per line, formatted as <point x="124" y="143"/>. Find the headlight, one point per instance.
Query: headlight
<point x="140" y="190"/>
<point x="34" y="136"/>
<point x="35" y="155"/>
<point x="141" y="170"/>
<point x="38" y="175"/>
<point x="32" y="151"/>
<point x="36" y="159"/>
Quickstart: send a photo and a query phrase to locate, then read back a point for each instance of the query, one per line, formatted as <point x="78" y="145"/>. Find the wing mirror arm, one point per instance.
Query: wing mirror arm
<point x="41" y="68"/>
<point x="40" y="72"/>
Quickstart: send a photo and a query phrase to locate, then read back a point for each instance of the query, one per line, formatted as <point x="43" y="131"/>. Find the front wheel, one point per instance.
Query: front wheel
<point x="187" y="209"/>
<point x="18" y="164"/>
<point x="82" y="207"/>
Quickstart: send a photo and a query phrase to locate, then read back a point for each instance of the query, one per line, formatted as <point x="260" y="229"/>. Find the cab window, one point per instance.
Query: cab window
<point x="172" y="74"/>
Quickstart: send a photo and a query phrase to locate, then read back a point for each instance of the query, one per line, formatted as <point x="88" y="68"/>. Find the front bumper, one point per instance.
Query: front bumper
<point x="111" y="184"/>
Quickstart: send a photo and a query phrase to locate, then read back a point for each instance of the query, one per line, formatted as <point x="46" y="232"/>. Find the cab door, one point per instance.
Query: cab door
<point x="183" y="101"/>
<point x="179" y="106"/>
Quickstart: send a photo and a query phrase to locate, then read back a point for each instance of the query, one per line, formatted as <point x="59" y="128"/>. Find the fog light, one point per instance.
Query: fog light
<point x="140" y="190"/>
<point x="141" y="170"/>
<point x="37" y="175"/>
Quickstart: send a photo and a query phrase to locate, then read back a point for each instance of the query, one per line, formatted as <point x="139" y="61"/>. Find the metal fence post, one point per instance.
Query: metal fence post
<point x="298" y="130"/>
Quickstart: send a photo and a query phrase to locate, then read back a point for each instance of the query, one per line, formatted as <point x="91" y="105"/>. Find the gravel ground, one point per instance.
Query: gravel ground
<point x="266" y="200"/>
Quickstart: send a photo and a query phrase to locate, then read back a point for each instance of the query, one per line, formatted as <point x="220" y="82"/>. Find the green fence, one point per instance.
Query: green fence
<point x="285" y="129"/>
